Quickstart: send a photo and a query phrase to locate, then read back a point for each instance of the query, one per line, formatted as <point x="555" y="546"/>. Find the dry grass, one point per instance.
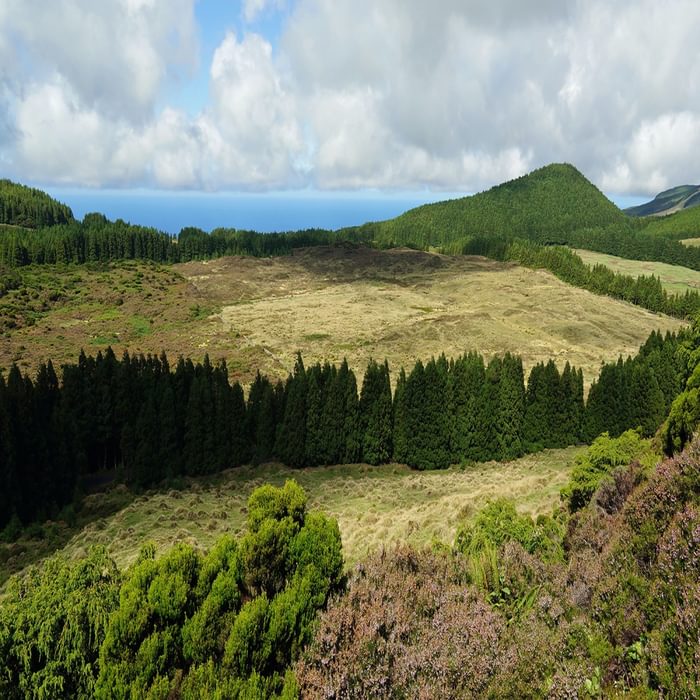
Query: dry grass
<point x="404" y="304"/>
<point x="329" y="303"/>
<point x="674" y="278"/>
<point x="374" y="506"/>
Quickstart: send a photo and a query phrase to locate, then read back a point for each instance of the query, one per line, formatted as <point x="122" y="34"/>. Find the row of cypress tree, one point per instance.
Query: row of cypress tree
<point x="148" y="422"/>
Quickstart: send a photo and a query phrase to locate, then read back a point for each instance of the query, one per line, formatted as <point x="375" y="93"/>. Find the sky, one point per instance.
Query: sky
<point x="321" y="99"/>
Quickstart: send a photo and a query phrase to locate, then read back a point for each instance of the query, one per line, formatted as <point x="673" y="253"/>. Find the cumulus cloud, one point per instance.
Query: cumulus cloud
<point x="356" y="94"/>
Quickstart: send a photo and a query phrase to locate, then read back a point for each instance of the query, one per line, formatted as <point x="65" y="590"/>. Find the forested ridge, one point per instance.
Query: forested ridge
<point x="645" y="291"/>
<point x="30" y="208"/>
<point x="152" y="422"/>
<point x="519" y="220"/>
<point x="96" y="239"/>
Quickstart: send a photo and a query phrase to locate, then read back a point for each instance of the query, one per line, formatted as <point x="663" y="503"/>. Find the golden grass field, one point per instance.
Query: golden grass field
<point x="374" y="506"/>
<point x="329" y="303"/>
<point x="674" y="278"/>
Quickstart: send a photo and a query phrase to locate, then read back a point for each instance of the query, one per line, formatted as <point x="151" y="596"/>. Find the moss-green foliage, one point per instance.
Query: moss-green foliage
<point x="228" y="624"/>
<point x="544" y="205"/>
<point x="684" y="415"/>
<point x="599" y="462"/>
<point x="29" y="207"/>
<point x="499" y="522"/>
<point x="52" y="623"/>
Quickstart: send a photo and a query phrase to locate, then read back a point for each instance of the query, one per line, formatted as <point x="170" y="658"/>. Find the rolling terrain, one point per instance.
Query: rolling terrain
<point x="668" y="202"/>
<point x="330" y="303"/>
<point x="375" y="507"/>
<point x="674" y="278"/>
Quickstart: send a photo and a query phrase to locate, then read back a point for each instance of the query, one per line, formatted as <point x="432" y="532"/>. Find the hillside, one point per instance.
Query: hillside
<point x="27" y="207"/>
<point x="544" y="205"/>
<point x="675" y="279"/>
<point x="668" y="202"/>
<point x="329" y="302"/>
<point x="679" y="225"/>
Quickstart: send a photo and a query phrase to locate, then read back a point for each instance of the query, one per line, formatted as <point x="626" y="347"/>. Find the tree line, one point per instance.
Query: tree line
<point x="146" y="422"/>
<point x="96" y="239"/>
<point x="29" y="207"/>
<point x="645" y="291"/>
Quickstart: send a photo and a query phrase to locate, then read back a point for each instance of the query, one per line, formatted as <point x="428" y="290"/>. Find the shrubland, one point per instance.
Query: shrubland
<point x="227" y="623"/>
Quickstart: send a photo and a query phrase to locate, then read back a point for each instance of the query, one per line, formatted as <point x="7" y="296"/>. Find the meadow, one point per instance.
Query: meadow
<point x="674" y="278"/>
<point x="402" y="305"/>
<point x="374" y="506"/>
<point x="330" y="303"/>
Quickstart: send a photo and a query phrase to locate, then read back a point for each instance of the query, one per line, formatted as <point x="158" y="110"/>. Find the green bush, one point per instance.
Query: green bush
<point x="599" y="461"/>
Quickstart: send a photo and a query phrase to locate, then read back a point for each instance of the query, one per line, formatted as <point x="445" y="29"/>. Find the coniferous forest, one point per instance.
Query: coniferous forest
<point x="147" y="422"/>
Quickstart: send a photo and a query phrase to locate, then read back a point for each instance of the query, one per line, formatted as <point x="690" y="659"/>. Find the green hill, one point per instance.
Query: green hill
<point x="683" y="224"/>
<point x="30" y="208"/>
<point x="668" y="202"/>
<point x="544" y="206"/>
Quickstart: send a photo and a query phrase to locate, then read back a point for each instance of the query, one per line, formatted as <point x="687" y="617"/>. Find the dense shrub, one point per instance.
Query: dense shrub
<point x="598" y="463"/>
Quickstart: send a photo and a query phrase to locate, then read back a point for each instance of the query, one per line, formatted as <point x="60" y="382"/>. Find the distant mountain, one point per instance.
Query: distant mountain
<point x="30" y="208"/>
<point x="668" y="202"/>
<point x="546" y="205"/>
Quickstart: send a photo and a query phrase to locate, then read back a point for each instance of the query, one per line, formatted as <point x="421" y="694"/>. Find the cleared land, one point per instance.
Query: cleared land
<point x="674" y="278"/>
<point x="329" y="303"/>
<point x="374" y="506"/>
<point x="403" y="305"/>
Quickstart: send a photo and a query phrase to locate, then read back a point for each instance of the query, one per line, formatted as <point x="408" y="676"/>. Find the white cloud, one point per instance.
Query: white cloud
<point x="252" y="9"/>
<point x="392" y="94"/>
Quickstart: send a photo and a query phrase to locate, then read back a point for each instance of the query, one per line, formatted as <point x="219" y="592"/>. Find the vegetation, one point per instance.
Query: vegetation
<point x="140" y="420"/>
<point x="604" y="605"/>
<point x="226" y="624"/>
<point x="26" y="207"/>
<point x="674" y="278"/>
<point x="546" y="205"/>
<point x="373" y="505"/>
<point x="96" y="239"/>
<point x="645" y="291"/>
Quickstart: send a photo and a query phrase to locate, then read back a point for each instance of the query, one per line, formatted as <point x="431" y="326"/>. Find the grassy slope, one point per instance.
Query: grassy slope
<point x="668" y="201"/>
<point x="374" y="506"/>
<point x="542" y="205"/>
<point x="675" y="279"/>
<point x="327" y="302"/>
<point x="682" y="224"/>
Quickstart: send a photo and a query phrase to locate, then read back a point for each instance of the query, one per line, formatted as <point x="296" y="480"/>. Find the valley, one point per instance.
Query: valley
<point x="376" y="507"/>
<point x="329" y="302"/>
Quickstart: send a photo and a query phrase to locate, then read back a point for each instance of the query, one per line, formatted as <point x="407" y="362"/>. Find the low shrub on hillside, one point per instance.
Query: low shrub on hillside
<point x="226" y="624"/>
<point x="597" y="465"/>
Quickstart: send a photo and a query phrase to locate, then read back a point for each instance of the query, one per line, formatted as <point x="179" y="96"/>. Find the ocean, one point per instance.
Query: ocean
<point x="172" y="211"/>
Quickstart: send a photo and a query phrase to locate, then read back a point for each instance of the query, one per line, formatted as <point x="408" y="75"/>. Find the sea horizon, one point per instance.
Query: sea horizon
<point x="171" y="211"/>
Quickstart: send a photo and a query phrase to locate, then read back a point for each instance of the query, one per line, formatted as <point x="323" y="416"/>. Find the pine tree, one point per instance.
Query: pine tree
<point x="400" y="433"/>
<point x="351" y="415"/>
<point x="290" y="444"/>
<point x="315" y="437"/>
<point x="375" y="414"/>
<point x="511" y="408"/>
